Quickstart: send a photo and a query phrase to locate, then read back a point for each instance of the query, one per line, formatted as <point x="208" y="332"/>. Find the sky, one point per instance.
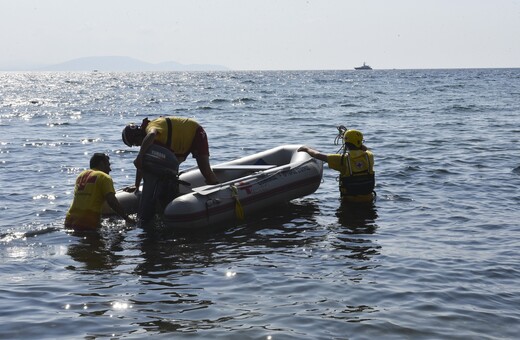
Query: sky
<point x="265" y="34"/>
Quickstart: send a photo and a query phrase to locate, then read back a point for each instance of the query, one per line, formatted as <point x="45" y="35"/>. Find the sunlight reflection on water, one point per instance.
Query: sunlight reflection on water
<point x="439" y="241"/>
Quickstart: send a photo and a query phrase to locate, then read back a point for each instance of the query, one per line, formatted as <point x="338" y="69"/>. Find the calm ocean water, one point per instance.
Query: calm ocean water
<point x="436" y="257"/>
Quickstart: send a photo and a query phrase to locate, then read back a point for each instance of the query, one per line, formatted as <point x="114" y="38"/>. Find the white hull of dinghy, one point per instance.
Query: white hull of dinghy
<point x="248" y="185"/>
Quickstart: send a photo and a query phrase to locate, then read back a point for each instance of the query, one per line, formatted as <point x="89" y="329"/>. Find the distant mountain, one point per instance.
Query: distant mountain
<point x="126" y="64"/>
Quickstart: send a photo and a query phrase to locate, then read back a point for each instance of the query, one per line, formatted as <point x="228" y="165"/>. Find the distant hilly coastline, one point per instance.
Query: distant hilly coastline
<point x="123" y="64"/>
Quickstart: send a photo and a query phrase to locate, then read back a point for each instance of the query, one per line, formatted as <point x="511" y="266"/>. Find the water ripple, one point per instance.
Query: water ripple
<point x="433" y="258"/>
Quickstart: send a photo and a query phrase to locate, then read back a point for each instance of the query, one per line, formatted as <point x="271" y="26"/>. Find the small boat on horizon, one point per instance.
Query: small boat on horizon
<point x="364" y="67"/>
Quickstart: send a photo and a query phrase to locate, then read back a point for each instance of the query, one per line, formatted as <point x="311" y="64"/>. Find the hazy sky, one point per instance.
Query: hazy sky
<point x="265" y="34"/>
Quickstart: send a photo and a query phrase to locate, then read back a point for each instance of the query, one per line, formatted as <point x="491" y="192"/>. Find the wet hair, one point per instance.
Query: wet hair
<point x="97" y="158"/>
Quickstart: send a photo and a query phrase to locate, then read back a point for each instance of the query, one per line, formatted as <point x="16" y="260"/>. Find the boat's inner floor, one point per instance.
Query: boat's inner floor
<point x="249" y="165"/>
<point x="224" y="173"/>
<point x="229" y="172"/>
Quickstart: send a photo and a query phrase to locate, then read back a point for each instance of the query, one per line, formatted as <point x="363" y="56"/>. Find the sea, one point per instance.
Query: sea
<point x="437" y="256"/>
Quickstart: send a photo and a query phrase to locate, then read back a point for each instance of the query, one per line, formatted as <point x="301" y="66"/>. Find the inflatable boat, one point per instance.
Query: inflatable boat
<point x="248" y="186"/>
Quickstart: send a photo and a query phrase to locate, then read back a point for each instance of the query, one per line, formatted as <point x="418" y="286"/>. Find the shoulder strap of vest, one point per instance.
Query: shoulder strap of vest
<point x="348" y="161"/>
<point x="169" y="135"/>
<point x="348" y="164"/>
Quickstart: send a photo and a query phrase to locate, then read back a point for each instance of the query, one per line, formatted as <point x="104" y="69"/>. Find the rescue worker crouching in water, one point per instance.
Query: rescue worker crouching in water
<point x="175" y="138"/>
<point x="93" y="187"/>
<point x="355" y="165"/>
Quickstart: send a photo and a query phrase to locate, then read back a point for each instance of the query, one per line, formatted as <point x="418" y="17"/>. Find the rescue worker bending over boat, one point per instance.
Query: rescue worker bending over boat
<point x="181" y="136"/>
<point x="164" y="143"/>
<point x="355" y="165"/>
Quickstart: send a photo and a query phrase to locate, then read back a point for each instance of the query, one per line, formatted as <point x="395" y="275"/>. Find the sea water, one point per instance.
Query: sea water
<point x="436" y="256"/>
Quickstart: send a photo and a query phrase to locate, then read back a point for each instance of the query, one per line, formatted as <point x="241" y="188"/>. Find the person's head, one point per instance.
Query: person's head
<point x="353" y="139"/>
<point x="101" y="162"/>
<point x="132" y="135"/>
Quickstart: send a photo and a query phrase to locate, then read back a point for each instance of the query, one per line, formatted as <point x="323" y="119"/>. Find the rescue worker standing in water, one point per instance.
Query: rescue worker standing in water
<point x="355" y="165"/>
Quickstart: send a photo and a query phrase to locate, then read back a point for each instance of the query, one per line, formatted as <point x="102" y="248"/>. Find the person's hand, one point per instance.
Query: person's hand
<point x="303" y="148"/>
<point x="130" y="220"/>
<point x="212" y="182"/>
<point x="131" y="188"/>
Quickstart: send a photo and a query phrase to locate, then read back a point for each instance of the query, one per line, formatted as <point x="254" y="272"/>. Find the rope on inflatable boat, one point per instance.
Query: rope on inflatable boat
<point x="239" y="211"/>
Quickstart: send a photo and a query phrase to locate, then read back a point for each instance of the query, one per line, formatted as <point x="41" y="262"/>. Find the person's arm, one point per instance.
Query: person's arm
<point x="116" y="206"/>
<point x="147" y="142"/>
<point x="314" y="153"/>
<point x="138" y="178"/>
<point x="205" y="169"/>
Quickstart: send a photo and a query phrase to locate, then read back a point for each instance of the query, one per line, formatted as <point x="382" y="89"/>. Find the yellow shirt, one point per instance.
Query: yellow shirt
<point x="183" y="132"/>
<point x="89" y="195"/>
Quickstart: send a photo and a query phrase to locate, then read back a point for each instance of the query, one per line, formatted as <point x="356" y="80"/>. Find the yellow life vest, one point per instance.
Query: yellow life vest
<point x="357" y="178"/>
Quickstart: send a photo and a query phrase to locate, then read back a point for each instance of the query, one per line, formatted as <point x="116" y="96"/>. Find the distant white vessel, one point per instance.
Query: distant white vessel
<point x="364" y="67"/>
